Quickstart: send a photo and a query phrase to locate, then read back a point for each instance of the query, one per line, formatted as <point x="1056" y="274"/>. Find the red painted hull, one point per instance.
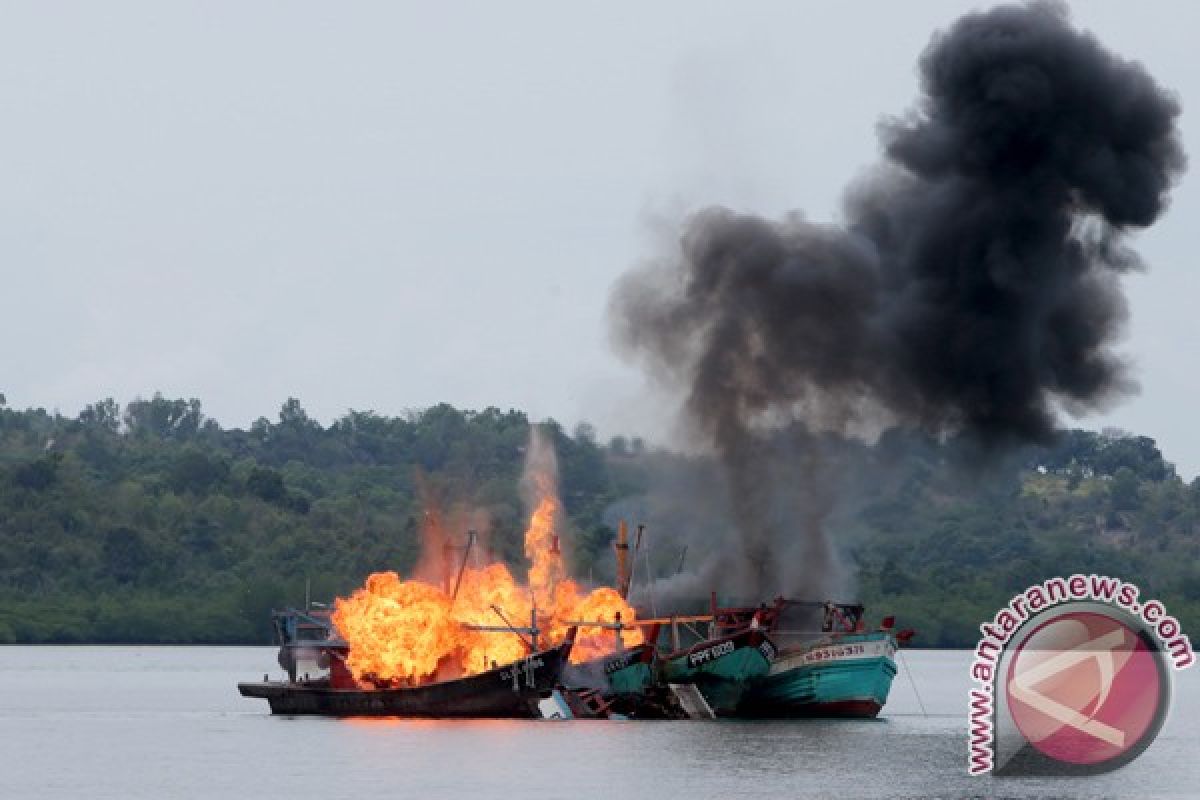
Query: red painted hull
<point x="849" y="709"/>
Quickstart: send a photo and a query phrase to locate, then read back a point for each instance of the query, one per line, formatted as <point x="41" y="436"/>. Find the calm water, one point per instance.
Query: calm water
<point x="135" y="722"/>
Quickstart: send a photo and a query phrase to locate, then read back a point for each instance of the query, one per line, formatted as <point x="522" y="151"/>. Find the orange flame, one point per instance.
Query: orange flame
<point x="405" y="632"/>
<point x="546" y="569"/>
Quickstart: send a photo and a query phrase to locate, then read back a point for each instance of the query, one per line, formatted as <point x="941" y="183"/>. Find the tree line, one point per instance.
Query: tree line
<point x="152" y="523"/>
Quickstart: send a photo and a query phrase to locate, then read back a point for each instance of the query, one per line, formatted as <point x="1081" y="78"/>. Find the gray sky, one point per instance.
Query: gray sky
<point x="383" y="206"/>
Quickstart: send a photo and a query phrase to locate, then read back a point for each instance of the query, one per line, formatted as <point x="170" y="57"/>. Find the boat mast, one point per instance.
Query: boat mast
<point x="462" y="566"/>
<point x="622" y="548"/>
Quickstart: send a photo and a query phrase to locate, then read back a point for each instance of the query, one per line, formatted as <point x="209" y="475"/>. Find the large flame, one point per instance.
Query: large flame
<point x="405" y="632"/>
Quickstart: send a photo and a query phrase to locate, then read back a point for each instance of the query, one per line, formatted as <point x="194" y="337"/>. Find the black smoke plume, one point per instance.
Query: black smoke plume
<point x="972" y="290"/>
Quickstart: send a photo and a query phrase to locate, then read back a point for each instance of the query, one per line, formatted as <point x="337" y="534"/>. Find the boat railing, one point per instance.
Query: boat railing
<point x="532" y="631"/>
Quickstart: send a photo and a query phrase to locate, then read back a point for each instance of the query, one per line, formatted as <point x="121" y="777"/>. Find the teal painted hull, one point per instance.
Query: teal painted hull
<point x="633" y="679"/>
<point x="848" y="683"/>
<point x="723" y="677"/>
<point x="628" y="672"/>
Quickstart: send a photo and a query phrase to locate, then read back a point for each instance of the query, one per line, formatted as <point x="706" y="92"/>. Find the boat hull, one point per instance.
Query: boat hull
<point x="849" y="677"/>
<point x="722" y="669"/>
<point x="619" y="686"/>
<point x="628" y="672"/>
<point x="511" y="691"/>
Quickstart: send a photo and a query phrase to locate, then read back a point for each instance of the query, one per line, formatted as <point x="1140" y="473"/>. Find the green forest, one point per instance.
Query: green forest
<point x="150" y="523"/>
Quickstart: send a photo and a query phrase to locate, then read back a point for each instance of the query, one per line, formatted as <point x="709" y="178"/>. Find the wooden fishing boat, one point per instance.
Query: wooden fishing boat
<point x="621" y="685"/>
<point x="722" y="668"/>
<point x="511" y="690"/>
<point x="842" y="671"/>
<point x="628" y="672"/>
<point x="309" y="643"/>
<point x="846" y="675"/>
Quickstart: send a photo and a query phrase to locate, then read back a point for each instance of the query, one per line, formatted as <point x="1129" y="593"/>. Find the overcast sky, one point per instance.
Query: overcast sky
<point x="384" y="206"/>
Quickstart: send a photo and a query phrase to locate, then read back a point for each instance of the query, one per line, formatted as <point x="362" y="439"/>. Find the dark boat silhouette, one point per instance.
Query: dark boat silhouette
<point x="511" y="690"/>
<point x="504" y="691"/>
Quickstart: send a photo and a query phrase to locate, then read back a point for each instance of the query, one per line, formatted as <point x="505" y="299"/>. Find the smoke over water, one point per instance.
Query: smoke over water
<point x="972" y="289"/>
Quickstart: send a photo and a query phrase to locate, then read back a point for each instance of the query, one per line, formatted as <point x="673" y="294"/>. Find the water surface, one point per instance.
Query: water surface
<point x="167" y="722"/>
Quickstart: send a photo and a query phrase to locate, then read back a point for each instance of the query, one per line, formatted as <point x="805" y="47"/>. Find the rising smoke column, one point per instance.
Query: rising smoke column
<point x="973" y="288"/>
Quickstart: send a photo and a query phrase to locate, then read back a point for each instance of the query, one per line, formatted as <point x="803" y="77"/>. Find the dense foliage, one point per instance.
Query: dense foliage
<point x="152" y="523"/>
<point x="155" y="524"/>
<point x="946" y="549"/>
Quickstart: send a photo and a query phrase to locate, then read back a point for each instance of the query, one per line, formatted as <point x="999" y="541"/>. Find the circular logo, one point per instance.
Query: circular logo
<point x="1087" y="688"/>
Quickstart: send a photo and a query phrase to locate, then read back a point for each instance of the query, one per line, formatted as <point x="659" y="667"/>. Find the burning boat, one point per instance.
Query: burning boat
<point x="442" y="642"/>
<point x="509" y="690"/>
<point x="408" y="648"/>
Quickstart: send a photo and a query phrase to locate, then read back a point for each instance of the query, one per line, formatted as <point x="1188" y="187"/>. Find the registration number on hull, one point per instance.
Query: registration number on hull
<point x="711" y="653"/>
<point x="527" y="666"/>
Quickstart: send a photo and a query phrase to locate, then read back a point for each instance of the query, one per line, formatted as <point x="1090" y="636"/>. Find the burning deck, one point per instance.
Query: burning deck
<point x="512" y="690"/>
